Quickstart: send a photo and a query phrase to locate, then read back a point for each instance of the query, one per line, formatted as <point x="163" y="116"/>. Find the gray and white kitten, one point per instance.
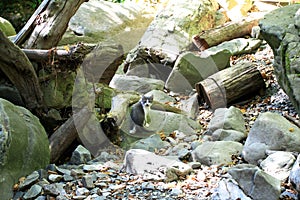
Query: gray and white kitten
<point x="140" y="116"/>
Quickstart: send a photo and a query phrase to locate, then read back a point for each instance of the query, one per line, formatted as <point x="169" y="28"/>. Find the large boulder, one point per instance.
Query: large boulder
<point x="97" y="21"/>
<point x="191" y="68"/>
<point x="24" y="145"/>
<point x="227" y="124"/>
<point x="169" y="34"/>
<point x="216" y="153"/>
<point x="152" y="166"/>
<point x="270" y="131"/>
<point x="256" y="183"/>
<point x="280" y="28"/>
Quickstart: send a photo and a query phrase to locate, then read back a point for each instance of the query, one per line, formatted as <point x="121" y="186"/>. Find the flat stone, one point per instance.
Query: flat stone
<point x="33" y="192"/>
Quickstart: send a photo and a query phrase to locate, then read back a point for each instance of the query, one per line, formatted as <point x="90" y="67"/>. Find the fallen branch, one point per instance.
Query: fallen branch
<point x="64" y="136"/>
<point x="228" y="31"/>
<point x="74" y="52"/>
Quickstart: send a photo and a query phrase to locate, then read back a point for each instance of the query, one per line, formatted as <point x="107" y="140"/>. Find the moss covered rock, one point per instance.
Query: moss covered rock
<point x="280" y="28"/>
<point x="24" y="145"/>
<point x="6" y="27"/>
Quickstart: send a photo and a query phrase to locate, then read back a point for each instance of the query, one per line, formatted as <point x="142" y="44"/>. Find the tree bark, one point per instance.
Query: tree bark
<point x="64" y="136"/>
<point x="51" y="23"/>
<point x="230" y="85"/>
<point x="226" y="32"/>
<point x="16" y="66"/>
<point x="75" y="52"/>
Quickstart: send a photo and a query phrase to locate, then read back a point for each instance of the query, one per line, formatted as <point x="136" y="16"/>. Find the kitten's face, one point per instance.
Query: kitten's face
<point x="147" y="100"/>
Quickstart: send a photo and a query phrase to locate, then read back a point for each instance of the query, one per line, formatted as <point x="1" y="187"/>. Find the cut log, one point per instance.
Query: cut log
<point x="230" y="85"/>
<point x="228" y="31"/>
<point x="64" y="136"/>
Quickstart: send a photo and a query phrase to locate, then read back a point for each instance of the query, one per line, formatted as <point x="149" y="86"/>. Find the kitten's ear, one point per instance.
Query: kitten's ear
<point x="151" y="96"/>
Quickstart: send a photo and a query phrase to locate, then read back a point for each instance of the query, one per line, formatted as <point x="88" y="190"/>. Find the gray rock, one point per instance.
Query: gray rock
<point x="270" y="131"/>
<point x="225" y="135"/>
<point x="161" y="96"/>
<point x="216" y="153"/>
<point x="30" y="180"/>
<point x="93" y="167"/>
<point x="150" y="143"/>
<point x="228" y="189"/>
<point x="227" y="118"/>
<point x="164" y="122"/>
<point x="80" y="155"/>
<point x="190" y="68"/>
<point x="294" y="177"/>
<point x="278" y="164"/>
<point x="99" y="21"/>
<point x="135" y="83"/>
<point x="256" y="183"/>
<point x="190" y="106"/>
<point x="170" y="32"/>
<point x="147" y="186"/>
<point x="33" y="192"/>
<point x="280" y="29"/>
<point x="68" y="178"/>
<point x="54" y="189"/>
<point x="88" y="182"/>
<point x="175" y="192"/>
<point x="24" y="145"/>
<point x="138" y="161"/>
<point x="55" y="177"/>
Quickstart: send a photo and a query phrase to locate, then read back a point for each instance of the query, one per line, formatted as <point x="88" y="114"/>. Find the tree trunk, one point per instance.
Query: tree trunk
<point x="16" y="66"/>
<point x="226" y="32"/>
<point x="51" y="23"/>
<point x="230" y="85"/>
<point x="63" y="137"/>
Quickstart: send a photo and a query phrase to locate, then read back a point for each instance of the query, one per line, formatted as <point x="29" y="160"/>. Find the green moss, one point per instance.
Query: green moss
<point x="6" y="27"/>
<point x="27" y="149"/>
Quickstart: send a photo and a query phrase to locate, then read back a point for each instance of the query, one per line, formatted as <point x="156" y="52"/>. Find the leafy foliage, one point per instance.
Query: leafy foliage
<point x="18" y="11"/>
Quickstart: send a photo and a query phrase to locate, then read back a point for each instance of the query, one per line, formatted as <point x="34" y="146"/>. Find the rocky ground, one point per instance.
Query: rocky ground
<point x="102" y="177"/>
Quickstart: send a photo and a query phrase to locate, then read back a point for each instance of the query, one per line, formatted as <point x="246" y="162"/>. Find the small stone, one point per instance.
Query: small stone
<point x="77" y="172"/>
<point x="93" y="167"/>
<point x="79" y="197"/>
<point x="54" y="189"/>
<point x="147" y="186"/>
<point x="33" y="192"/>
<point x="82" y="192"/>
<point x="63" y="171"/>
<point x="42" y="198"/>
<point x="88" y="182"/>
<point x="30" y="180"/>
<point x="175" y="192"/>
<point x="67" y="178"/>
<point x="61" y="197"/>
<point x="80" y="155"/>
<point x="55" y="177"/>
<point x="195" y="144"/>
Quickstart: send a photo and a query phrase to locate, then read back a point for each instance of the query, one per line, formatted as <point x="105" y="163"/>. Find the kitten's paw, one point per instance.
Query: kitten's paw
<point x="147" y="125"/>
